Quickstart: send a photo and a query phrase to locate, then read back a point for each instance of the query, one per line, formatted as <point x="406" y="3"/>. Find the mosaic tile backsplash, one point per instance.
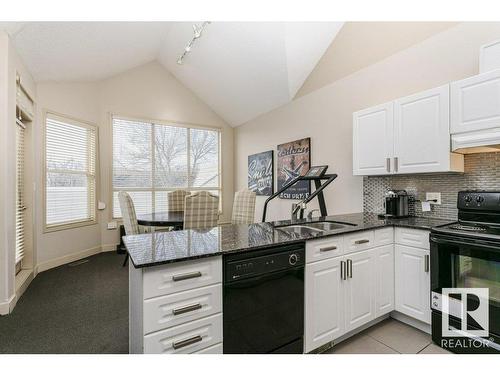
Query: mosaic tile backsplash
<point x="482" y="171"/>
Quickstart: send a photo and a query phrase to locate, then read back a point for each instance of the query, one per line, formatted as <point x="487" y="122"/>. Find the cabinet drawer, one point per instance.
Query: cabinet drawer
<point x="384" y="236"/>
<point x="173" y="309"/>
<point x="215" y="349"/>
<point x="185" y="338"/>
<point x="412" y="237"/>
<point x="173" y="278"/>
<point x="325" y="248"/>
<point x="358" y="241"/>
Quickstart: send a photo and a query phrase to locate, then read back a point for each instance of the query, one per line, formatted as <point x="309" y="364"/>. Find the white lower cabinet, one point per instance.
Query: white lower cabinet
<point x="412" y="278"/>
<point x="324" y="303"/>
<point x="385" y="279"/>
<point x="360" y="289"/>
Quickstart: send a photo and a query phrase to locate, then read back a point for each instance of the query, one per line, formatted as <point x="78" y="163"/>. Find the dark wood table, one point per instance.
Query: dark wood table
<point x="162" y="219"/>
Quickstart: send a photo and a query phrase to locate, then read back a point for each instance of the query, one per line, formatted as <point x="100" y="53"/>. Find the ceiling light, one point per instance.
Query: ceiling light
<point x="197" y="32"/>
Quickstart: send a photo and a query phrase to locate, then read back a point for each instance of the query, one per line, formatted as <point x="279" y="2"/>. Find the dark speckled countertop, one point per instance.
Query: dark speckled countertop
<point x="167" y="247"/>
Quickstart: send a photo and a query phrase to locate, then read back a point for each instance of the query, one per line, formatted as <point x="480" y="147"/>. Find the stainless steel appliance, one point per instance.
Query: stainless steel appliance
<point x="396" y="203"/>
<point x="466" y="254"/>
<point x="264" y="301"/>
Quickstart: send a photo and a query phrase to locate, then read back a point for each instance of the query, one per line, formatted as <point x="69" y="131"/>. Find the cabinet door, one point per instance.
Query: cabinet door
<point x="385" y="279"/>
<point x="421" y="132"/>
<point x="373" y="140"/>
<point x="324" y="310"/>
<point x="475" y="103"/>
<point x="412" y="282"/>
<point x="360" y="289"/>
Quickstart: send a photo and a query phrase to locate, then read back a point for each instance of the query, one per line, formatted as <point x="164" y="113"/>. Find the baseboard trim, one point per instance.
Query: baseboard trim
<point x="424" y="327"/>
<point x="7" y="306"/>
<point x="67" y="259"/>
<point x="109" y="247"/>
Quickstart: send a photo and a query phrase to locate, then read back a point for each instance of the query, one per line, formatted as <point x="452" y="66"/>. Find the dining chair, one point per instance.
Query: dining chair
<point x="176" y="200"/>
<point x="129" y="217"/>
<point x="243" y="207"/>
<point x="201" y="210"/>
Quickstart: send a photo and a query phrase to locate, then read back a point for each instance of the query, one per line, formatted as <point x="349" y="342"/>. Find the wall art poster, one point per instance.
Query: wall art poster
<point x="260" y="173"/>
<point x="294" y="159"/>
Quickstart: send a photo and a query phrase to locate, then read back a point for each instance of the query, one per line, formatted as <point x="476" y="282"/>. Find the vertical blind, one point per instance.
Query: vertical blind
<point x="20" y="205"/>
<point x="70" y="155"/>
<point x="151" y="159"/>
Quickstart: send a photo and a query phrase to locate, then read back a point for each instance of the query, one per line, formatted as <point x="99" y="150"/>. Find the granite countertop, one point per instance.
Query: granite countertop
<point x="157" y="248"/>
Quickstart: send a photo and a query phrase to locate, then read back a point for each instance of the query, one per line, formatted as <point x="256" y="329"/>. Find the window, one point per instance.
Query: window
<point x="70" y="186"/>
<point x="150" y="159"/>
<point x="20" y="207"/>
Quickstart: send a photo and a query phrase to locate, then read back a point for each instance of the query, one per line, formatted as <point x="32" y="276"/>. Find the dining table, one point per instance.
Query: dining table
<point x="162" y="219"/>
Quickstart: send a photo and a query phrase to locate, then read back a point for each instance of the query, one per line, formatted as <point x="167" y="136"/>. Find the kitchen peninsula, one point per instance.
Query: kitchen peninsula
<point x="176" y="279"/>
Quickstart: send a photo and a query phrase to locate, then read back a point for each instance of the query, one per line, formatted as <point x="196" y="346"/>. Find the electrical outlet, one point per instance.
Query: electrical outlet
<point x="112" y="225"/>
<point x="431" y="196"/>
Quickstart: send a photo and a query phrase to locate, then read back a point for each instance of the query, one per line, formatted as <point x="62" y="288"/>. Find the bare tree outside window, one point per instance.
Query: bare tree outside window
<point x="156" y="158"/>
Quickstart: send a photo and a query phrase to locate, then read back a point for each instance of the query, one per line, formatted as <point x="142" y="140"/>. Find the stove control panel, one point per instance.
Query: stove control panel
<point x="479" y="200"/>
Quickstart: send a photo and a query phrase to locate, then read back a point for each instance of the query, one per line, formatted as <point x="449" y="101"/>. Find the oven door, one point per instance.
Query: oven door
<point x="458" y="262"/>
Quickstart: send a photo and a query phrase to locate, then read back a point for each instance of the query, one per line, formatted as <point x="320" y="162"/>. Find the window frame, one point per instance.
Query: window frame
<point x="47" y="228"/>
<point x="171" y="123"/>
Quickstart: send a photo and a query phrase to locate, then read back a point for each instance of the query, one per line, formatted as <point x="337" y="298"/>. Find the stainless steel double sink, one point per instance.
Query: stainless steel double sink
<point x="313" y="228"/>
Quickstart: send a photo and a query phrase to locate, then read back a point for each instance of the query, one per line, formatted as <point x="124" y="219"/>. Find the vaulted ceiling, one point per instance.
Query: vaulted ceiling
<point x="240" y="69"/>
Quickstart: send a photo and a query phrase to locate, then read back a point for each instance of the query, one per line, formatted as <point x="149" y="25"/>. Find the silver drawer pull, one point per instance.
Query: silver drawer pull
<point x="183" y="343"/>
<point x="359" y="242"/>
<point x="186" y="276"/>
<point x="426" y="263"/>
<point x="186" y="309"/>
<point x="328" y="248"/>
<point x="349" y="268"/>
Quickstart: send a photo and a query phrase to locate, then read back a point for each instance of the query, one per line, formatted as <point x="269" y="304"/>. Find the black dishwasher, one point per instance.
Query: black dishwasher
<point x="264" y="301"/>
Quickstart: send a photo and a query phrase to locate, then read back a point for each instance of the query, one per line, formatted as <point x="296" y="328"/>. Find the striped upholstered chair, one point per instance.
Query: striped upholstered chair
<point x="176" y="200"/>
<point x="243" y="207"/>
<point x="129" y="216"/>
<point x="201" y="210"/>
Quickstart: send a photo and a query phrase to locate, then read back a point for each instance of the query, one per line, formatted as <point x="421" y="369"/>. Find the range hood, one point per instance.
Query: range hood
<point x="487" y="140"/>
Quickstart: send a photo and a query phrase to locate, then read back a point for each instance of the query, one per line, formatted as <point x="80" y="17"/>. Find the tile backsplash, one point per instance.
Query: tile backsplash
<point x="482" y="171"/>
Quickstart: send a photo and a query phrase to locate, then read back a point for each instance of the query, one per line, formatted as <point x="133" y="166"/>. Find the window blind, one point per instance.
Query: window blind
<point x="150" y="159"/>
<point x="20" y="205"/>
<point x="70" y="188"/>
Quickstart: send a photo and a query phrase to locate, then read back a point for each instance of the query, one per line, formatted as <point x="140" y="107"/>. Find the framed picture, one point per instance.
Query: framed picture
<point x="294" y="159"/>
<point x="261" y="173"/>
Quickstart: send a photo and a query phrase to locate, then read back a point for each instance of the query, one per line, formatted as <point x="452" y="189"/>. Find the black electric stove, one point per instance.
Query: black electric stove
<point x="465" y="255"/>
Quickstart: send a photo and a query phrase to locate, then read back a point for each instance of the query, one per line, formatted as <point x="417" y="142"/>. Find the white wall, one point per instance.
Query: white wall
<point x="10" y="64"/>
<point x="147" y="92"/>
<point x="325" y="115"/>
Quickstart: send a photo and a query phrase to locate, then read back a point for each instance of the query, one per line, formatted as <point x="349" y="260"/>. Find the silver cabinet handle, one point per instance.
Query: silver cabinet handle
<point x="426" y="263"/>
<point x="328" y="248"/>
<point x="343" y="270"/>
<point x="183" y="343"/>
<point x="186" y="276"/>
<point x="359" y="242"/>
<point x="186" y="309"/>
<point x="396" y="164"/>
<point x="388" y="161"/>
<point x="349" y="268"/>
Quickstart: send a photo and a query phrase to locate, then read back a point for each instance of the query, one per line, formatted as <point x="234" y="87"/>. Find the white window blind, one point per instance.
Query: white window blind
<point x="20" y="205"/>
<point x="151" y="159"/>
<point x="70" y="156"/>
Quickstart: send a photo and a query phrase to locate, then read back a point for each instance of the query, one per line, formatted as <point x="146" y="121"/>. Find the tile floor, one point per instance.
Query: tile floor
<point x="389" y="337"/>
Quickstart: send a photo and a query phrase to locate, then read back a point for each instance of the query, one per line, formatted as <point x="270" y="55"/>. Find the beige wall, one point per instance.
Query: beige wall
<point x="147" y="92"/>
<point x="325" y="115"/>
<point x="10" y="64"/>
<point x="361" y="44"/>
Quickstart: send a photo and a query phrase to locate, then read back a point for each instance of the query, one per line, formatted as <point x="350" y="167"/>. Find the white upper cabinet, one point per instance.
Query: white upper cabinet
<point x="421" y="132"/>
<point x="415" y="139"/>
<point x="489" y="58"/>
<point x="373" y="140"/>
<point x="475" y="103"/>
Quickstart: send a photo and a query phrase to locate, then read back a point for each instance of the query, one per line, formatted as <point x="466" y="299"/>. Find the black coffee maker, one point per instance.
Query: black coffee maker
<point x="396" y="203"/>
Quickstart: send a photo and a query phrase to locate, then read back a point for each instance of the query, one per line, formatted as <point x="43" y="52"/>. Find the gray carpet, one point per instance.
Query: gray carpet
<point x="79" y="308"/>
